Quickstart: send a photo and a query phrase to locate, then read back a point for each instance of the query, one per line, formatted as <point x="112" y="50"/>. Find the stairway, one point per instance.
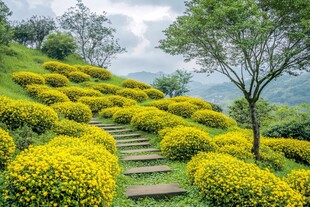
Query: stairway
<point x="127" y="139"/>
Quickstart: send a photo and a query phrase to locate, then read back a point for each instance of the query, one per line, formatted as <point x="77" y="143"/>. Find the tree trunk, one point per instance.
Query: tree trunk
<point x="255" y="128"/>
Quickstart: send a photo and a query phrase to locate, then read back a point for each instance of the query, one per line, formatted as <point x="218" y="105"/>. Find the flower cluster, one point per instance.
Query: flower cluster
<point x="16" y="113"/>
<point x="104" y="88"/>
<point x="74" y="93"/>
<point x="56" y="80"/>
<point x="299" y="180"/>
<point x="162" y="104"/>
<point x="27" y="78"/>
<point x="78" y="112"/>
<point x="213" y="119"/>
<point x="58" y="67"/>
<point x="78" y="77"/>
<point x="292" y="148"/>
<point x="154" y="93"/>
<point x="181" y="143"/>
<point x="183" y="109"/>
<point x="155" y="120"/>
<point x="124" y="115"/>
<point x="227" y="181"/>
<point x="109" y="112"/>
<point x="51" y="96"/>
<point x="135" y="94"/>
<point x="96" y="103"/>
<point x="7" y="148"/>
<point x="34" y="89"/>
<point x="121" y="101"/>
<point x="129" y="83"/>
<point x="200" y="103"/>
<point x="96" y="72"/>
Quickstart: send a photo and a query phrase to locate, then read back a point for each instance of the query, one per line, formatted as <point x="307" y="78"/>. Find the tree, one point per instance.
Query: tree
<point x="33" y="31"/>
<point x="5" y="30"/>
<point x="96" y="42"/>
<point x="59" y="45"/>
<point x="240" y="111"/>
<point x="173" y="85"/>
<point x="257" y="40"/>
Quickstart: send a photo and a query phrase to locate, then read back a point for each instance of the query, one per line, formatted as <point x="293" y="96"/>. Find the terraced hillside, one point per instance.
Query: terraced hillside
<point x="75" y="135"/>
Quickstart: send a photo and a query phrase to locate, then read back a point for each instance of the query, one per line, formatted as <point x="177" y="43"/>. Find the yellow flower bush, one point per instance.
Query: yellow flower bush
<point x="155" y="120"/>
<point x="199" y="102"/>
<point x="74" y="93"/>
<point x="213" y="119"/>
<point x="291" y="148"/>
<point x="162" y="104"/>
<point x="129" y="83"/>
<point x="183" y="109"/>
<point x="96" y="72"/>
<point x="51" y="176"/>
<point x="27" y="78"/>
<point x="56" y="80"/>
<point x="124" y="115"/>
<point x="7" y="148"/>
<point x="96" y="103"/>
<point x="50" y="97"/>
<point x="299" y="180"/>
<point x="135" y="94"/>
<point x="227" y="181"/>
<point x="78" y="77"/>
<point x="181" y="143"/>
<point x="58" y="67"/>
<point x="121" y="101"/>
<point x="51" y="65"/>
<point x="104" y="88"/>
<point x="109" y="112"/>
<point x="78" y="112"/>
<point x="154" y="93"/>
<point x="18" y="113"/>
<point x="91" y="151"/>
<point x="69" y="128"/>
<point x="34" y="89"/>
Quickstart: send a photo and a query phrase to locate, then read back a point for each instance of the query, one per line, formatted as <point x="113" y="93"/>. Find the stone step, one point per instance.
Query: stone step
<point x="140" y="150"/>
<point x="126" y="135"/>
<point x="132" y="140"/>
<point x="113" y="127"/>
<point x="149" y="169"/>
<point x="155" y="191"/>
<point x="143" y="157"/>
<point x="134" y="144"/>
<point x="119" y="130"/>
<point x="94" y="122"/>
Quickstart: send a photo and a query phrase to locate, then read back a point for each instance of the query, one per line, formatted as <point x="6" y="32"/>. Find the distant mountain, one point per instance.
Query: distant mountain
<point x="290" y="90"/>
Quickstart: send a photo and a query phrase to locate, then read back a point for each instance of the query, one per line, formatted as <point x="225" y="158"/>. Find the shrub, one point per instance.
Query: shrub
<point x="89" y="150"/>
<point x="216" y="107"/>
<point x="35" y="89"/>
<point x="183" y="109"/>
<point x="154" y="93"/>
<point x="213" y="119"/>
<point x="74" y="93"/>
<point x="78" y="77"/>
<point x="96" y="103"/>
<point x="162" y="104"/>
<point x="121" y="101"/>
<point x="124" y="115"/>
<point x="135" y="84"/>
<point x="51" y="65"/>
<point x="291" y="148"/>
<point x="18" y="113"/>
<point x="45" y="176"/>
<point x="181" y="143"/>
<point x="108" y="112"/>
<point x="135" y="94"/>
<point x="27" y="78"/>
<point x="56" y="80"/>
<point x="50" y="97"/>
<point x="227" y="181"/>
<point x="155" y="120"/>
<point x="78" y="112"/>
<point x="58" y="67"/>
<point x="294" y="129"/>
<point x="96" y="72"/>
<point x="299" y="180"/>
<point x="105" y="88"/>
<point x="7" y="148"/>
<point x="70" y="128"/>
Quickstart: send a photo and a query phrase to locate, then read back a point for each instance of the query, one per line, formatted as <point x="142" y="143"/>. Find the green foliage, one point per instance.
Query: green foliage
<point x="56" y="80"/>
<point x="59" y="46"/>
<point x="7" y="148"/>
<point x="135" y="94"/>
<point x="240" y="111"/>
<point x="216" y="107"/>
<point x="213" y="119"/>
<point x="27" y="78"/>
<point x="173" y="85"/>
<point x="181" y="143"/>
<point x="5" y="30"/>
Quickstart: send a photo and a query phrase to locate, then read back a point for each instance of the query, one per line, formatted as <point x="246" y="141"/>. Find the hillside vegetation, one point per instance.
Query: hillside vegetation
<point x="50" y="156"/>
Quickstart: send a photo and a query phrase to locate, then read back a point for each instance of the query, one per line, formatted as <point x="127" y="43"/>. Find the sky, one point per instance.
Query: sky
<point x="138" y="23"/>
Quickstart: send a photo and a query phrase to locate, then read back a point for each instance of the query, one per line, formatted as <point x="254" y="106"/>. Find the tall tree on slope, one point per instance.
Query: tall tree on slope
<point x="255" y="39"/>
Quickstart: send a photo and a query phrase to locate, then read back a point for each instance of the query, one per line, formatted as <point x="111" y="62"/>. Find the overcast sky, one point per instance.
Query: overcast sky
<point x="139" y="25"/>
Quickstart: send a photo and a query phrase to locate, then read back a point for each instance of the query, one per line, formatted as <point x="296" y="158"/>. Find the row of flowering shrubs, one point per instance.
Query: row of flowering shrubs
<point x="7" y="148"/>
<point x="78" y="112"/>
<point x="227" y="181"/>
